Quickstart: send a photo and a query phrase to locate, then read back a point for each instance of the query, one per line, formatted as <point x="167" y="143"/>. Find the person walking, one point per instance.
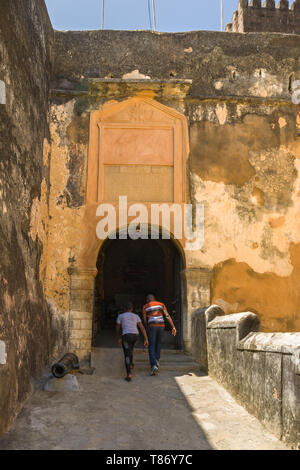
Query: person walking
<point x="129" y="322"/>
<point x="153" y="318"/>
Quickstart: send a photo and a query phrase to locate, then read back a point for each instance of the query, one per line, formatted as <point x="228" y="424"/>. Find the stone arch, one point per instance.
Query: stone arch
<point x="164" y="260"/>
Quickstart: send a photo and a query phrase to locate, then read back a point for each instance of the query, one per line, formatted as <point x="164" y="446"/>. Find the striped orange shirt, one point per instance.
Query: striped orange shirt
<point x="154" y="312"/>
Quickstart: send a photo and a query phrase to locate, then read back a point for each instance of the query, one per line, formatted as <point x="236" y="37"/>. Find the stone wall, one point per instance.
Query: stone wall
<point x="260" y="370"/>
<point x="255" y="17"/>
<point x="243" y="163"/>
<point x="220" y="64"/>
<point x="25" y="67"/>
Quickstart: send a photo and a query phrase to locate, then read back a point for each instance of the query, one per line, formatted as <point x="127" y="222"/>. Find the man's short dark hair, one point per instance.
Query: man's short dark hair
<point x="129" y="305"/>
<point x="150" y="298"/>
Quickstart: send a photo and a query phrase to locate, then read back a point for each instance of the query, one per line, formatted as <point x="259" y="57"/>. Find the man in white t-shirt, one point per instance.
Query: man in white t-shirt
<point x="129" y="322"/>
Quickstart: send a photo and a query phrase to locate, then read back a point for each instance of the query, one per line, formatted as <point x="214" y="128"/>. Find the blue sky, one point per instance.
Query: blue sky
<point x="172" y="15"/>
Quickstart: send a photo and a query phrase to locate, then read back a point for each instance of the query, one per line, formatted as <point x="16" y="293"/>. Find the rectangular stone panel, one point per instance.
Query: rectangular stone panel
<point x="143" y="183"/>
<point x="137" y="146"/>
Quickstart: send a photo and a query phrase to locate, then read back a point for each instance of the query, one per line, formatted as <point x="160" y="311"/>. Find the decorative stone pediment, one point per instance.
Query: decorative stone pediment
<point x="137" y="136"/>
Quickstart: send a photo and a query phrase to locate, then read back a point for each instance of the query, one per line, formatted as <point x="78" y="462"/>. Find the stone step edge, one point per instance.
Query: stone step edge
<point x="144" y="351"/>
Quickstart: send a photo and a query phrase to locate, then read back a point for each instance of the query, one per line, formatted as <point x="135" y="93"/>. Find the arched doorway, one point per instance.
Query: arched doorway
<point x="129" y="270"/>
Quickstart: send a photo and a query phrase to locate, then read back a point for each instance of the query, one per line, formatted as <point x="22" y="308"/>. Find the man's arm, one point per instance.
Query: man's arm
<point x="166" y="314"/>
<point x="141" y="327"/>
<point x="144" y="317"/>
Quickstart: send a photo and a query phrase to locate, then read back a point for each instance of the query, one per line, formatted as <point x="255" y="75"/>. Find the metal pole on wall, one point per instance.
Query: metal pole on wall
<point x="102" y="14"/>
<point x="154" y="15"/>
<point x="222" y="15"/>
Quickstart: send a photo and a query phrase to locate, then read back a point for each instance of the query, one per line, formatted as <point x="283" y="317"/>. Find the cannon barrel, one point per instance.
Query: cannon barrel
<point x="65" y="365"/>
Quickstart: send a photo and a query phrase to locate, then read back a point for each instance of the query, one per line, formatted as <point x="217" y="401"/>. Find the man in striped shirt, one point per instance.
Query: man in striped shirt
<point x="153" y="318"/>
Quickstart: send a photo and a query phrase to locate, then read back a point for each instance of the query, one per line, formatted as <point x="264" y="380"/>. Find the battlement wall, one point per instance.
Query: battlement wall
<point x="266" y="17"/>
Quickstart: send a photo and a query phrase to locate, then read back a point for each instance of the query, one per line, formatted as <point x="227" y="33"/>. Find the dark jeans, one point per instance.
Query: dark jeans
<point x="155" y="335"/>
<point x="128" y="342"/>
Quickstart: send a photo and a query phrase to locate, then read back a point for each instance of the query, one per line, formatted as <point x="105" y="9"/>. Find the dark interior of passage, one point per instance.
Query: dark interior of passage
<point x="128" y="270"/>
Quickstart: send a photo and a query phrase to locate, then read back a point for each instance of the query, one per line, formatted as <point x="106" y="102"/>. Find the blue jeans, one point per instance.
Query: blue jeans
<point x="155" y="334"/>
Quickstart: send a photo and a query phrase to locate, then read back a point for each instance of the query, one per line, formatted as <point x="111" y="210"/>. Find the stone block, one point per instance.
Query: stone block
<point x="255" y="3"/>
<point x="81" y="334"/>
<point x="269" y="4"/>
<point x="86" y="324"/>
<point x="88" y="284"/>
<point x="69" y="383"/>
<point x="75" y="283"/>
<point x="83" y="294"/>
<point x="85" y="344"/>
<point x="283" y="5"/>
<point x="74" y="344"/>
<point x="79" y="315"/>
<point x="75" y="324"/>
<point x="75" y="304"/>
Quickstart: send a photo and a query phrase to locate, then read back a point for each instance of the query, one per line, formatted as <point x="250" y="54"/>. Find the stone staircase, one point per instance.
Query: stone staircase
<point x="171" y="360"/>
<point x="110" y="361"/>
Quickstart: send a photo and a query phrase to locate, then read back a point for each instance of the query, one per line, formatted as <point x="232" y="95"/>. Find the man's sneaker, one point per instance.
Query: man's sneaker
<point x="157" y="363"/>
<point x="154" y="370"/>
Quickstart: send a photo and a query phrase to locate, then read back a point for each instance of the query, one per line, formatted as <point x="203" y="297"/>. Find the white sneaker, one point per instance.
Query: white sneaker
<point x="154" y="370"/>
<point x="157" y="363"/>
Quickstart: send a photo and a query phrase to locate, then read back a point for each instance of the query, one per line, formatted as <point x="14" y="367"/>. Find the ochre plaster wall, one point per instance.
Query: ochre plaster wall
<point x="243" y="163"/>
<point x="243" y="166"/>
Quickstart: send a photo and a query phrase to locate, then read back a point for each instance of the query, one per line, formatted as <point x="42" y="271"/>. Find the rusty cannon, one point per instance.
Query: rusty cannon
<point x="65" y="365"/>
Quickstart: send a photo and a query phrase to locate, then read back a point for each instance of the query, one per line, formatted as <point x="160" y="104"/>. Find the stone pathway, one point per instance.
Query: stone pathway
<point x="179" y="409"/>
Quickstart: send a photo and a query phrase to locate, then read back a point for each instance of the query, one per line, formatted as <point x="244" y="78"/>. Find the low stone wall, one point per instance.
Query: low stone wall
<point x="260" y="370"/>
<point x="200" y="320"/>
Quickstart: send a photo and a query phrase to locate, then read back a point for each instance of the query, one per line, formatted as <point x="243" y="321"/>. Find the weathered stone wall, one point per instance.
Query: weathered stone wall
<point x="261" y="370"/>
<point x="220" y="64"/>
<point x="255" y="17"/>
<point x="26" y="38"/>
<point x="200" y="320"/>
<point x="244" y="158"/>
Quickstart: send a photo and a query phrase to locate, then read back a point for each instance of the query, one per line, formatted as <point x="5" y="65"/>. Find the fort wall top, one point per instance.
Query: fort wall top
<point x="266" y="17"/>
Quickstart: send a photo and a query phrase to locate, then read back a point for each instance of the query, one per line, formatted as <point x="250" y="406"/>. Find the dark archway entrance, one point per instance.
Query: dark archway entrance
<point x="129" y="270"/>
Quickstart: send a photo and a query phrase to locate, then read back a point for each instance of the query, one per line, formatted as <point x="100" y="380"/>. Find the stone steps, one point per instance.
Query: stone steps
<point x="110" y="362"/>
<point x="168" y="362"/>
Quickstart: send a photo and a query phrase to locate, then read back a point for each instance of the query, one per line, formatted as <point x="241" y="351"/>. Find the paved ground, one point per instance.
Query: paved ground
<point x="178" y="409"/>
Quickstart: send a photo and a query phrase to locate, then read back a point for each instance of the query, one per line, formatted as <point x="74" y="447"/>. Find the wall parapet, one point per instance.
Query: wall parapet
<point x="260" y="370"/>
<point x="255" y="17"/>
<point x="283" y="343"/>
<point x="200" y="319"/>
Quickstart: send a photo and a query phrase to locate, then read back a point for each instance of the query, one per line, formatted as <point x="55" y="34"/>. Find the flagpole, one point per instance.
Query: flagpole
<point x="102" y="14"/>
<point x="222" y="15"/>
<point x="154" y="15"/>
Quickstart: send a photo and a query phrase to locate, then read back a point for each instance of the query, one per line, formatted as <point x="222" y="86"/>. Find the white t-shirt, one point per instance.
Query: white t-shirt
<point x="128" y="322"/>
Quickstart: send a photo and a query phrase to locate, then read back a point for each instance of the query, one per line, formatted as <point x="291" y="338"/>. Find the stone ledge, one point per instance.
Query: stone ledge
<point x="244" y="323"/>
<point x="284" y="343"/>
<point x="112" y="87"/>
<point x="229" y="321"/>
